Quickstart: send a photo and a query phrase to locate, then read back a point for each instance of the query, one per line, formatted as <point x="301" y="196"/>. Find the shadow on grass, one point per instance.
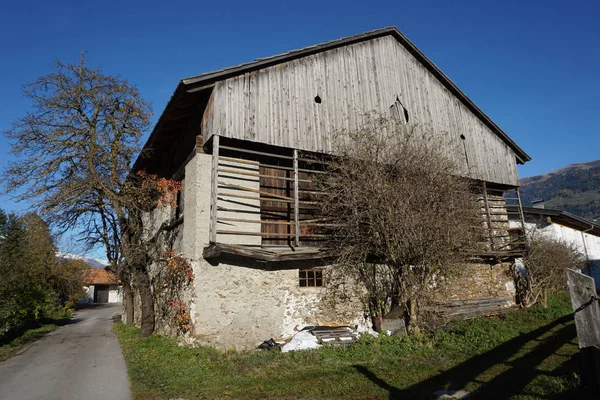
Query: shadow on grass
<point x="513" y="380"/>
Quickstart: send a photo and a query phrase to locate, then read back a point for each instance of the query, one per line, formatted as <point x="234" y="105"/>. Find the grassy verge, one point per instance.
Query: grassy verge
<point x="526" y="354"/>
<point x="31" y="335"/>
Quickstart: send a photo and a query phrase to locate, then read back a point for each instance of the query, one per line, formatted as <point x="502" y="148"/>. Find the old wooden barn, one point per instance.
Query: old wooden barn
<point x="243" y="142"/>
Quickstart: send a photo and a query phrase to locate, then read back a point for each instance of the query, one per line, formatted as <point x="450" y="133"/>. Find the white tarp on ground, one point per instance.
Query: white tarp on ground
<point x="303" y="340"/>
<point x="306" y="340"/>
<point x="363" y="329"/>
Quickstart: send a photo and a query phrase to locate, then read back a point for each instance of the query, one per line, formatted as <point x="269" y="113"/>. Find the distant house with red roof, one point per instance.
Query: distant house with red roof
<point x="101" y="286"/>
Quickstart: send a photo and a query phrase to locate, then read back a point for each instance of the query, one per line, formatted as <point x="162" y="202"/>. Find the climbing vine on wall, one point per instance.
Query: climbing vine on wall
<point x="181" y="315"/>
<point x="176" y="276"/>
<point x="178" y="270"/>
<point x="161" y="191"/>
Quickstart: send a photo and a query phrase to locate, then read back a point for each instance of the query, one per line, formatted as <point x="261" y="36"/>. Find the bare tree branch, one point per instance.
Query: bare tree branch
<point x="402" y="213"/>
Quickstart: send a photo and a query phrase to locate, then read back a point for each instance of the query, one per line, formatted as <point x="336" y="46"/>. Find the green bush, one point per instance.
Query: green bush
<point x="28" y="293"/>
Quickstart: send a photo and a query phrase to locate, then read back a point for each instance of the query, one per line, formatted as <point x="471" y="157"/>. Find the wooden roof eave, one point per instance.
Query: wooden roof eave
<point x="174" y="117"/>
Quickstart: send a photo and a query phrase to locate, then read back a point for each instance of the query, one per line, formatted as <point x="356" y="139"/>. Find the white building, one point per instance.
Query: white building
<point x="101" y="286"/>
<point x="561" y="225"/>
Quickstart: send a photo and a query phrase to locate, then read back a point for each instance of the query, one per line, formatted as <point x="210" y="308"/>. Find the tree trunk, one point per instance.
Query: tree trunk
<point x="411" y="306"/>
<point x="375" y="312"/>
<point x="545" y="298"/>
<point x="147" y="299"/>
<point x="377" y="321"/>
<point x="128" y="303"/>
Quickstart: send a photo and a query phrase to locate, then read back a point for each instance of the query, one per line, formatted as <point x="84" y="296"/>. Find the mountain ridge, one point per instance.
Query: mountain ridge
<point x="574" y="188"/>
<point x="92" y="262"/>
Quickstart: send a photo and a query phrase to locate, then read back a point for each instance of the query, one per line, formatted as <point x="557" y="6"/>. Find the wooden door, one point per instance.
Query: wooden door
<point x="101" y="294"/>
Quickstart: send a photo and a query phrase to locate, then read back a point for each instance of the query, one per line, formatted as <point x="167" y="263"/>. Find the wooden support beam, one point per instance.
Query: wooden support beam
<point x="489" y="218"/>
<point x="249" y="162"/>
<point x="219" y="249"/>
<point x="253" y="174"/>
<point x="522" y="215"/>
<point x="262" y="192"/>
<point x="214" y="190"/>
<point x="246" y="233"/>
<point x="296" y="202"/>
<point x="264" y="234"/>
<point x="241" y="196"/>
<point x="200" y="88"/>
<point x="258" y="153"/>
<point x="254" y="221"/>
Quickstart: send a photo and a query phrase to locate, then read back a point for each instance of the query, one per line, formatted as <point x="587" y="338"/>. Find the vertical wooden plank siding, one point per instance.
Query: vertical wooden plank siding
<point x="276" y="105"/>
<point x="214" y="190"/>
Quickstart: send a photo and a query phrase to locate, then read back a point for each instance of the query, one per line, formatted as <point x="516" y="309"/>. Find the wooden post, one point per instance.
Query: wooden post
<point x="296" y="202"/>
<point x="489" y="217"/>
<point x="522" y="215"/>
<point x="587" y="319"/>
<point x="587" y="322"/>
<point x="214" y="190"/>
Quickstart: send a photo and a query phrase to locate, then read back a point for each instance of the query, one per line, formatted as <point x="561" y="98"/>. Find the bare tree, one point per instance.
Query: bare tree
<point x="545" y="268"/>
<point x="74" y="153"/>
<point x="400" y="214"/>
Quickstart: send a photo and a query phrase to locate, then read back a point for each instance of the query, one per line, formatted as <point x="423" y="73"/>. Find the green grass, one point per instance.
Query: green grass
<point x="525" y="354"/>
<point x="20" y="343"/>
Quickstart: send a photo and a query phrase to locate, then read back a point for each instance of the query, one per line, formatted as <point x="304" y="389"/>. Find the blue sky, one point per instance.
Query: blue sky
<point x="530" y="65"/>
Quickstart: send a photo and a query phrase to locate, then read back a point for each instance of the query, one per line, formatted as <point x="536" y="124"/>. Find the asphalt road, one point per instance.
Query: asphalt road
<point x="81" y="361"/>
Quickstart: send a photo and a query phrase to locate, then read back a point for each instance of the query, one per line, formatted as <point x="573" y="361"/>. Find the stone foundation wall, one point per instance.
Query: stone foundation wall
<point x="477" y="281"/>
<point x="238" y="307"/>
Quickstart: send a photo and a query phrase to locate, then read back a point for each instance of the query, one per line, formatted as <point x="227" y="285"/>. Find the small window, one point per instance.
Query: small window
<point x="180" y="204"/>
<point x="311" y="278"/>
<point x="399" y="112"/>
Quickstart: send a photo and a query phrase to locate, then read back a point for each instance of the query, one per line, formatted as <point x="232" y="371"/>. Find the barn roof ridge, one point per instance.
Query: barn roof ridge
<point x="263" y="62"/>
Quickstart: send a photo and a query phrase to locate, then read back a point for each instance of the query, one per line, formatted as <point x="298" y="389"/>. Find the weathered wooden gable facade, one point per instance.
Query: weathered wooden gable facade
<point x="302" y="102"/>
<point x="243" y="141"/>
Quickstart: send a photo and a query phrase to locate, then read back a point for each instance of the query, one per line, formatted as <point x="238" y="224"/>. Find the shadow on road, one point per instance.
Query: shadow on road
<point x="513" y="380"/>
<point x="93" y="306"/>
<point x="66" y="321"/>
<point x="19" y="331"/>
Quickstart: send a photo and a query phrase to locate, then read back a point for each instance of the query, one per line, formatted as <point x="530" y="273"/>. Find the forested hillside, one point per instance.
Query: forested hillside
<point x="575" y="188"/>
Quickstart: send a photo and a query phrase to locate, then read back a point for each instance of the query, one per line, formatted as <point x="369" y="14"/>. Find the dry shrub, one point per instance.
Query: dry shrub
<point x="545" y="270"/>
<point x="400" y="214"/>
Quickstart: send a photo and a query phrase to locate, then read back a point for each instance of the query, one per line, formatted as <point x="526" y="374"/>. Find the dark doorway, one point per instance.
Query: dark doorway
<point x="101" y="294"/>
